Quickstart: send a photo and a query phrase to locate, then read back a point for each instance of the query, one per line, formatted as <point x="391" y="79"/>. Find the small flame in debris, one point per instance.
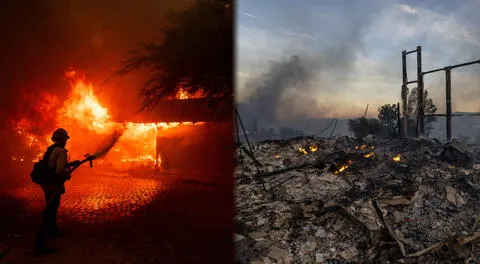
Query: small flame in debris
<point x="364" y="146"/>
<point x="278" y="156"/>
<point x="397" y="158"/>
<point x="302" y="150"/>
<point x="368" y="155"/>
<point x="313" y="148"/>
<point x="344" y="167"/>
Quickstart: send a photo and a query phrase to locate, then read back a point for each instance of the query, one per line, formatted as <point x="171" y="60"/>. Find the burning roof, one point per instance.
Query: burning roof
<point x="89" y="123"/>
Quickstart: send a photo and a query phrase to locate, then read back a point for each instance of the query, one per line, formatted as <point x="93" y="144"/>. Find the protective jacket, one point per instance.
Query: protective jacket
<point x="57" y="163"/>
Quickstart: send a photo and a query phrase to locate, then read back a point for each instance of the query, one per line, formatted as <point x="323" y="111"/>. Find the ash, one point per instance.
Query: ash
<point x="342" y="200"/>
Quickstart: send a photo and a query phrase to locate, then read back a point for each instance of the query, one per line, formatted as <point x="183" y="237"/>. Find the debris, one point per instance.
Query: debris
<point x="457" y="156"/>
<point x="319" y="258"/>
<point x="277" y="253"/>
<point x="237" y="237"/>
<point x="453" y="197"/>
<point x="351" y="201"/>
<point x="349" y="254"/>
<point x="257" y="235"/>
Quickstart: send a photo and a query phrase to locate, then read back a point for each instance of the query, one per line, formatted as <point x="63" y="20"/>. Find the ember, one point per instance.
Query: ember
<point x="368" y="155"/>
<point x="310" y="215"/>
<point x="313" y="148"/>
<point x="302" y="150"/>
<point x="278" y="156"/>
<point x="344" y="167"/>
<point x="396" y="158"/>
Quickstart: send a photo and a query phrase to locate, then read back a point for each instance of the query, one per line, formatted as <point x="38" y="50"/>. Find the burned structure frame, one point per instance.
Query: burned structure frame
<point x="420" y="129"/>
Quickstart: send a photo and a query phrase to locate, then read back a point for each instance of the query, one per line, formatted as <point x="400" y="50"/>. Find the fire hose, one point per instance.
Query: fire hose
<point x="71" y="166"/>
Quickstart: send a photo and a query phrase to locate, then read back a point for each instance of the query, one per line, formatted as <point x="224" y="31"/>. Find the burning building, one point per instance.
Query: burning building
<point x="146" y="140"/>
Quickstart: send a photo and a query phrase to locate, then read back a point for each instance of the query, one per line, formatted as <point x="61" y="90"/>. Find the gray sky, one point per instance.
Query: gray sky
<point x="351" y="52"/>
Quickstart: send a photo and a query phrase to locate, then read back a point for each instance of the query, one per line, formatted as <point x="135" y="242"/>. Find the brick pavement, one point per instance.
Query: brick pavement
<point x="137" y="217"/>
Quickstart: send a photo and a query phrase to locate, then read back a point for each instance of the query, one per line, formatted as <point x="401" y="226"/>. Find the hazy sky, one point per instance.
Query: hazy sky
<point x="352" y="52"/>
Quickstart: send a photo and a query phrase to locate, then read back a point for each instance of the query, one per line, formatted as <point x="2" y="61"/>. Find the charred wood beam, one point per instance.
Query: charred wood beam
<point x="448" y="100"/>
<point x="465" y="64"/>
<point x="432" y="71"/>
<point x="453" y="66"/>
<point x="404" y="94"/>
<point x="421" y="107"/>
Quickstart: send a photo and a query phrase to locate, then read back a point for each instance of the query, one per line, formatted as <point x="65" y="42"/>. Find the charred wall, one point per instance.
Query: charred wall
<point x="207" y="147"/>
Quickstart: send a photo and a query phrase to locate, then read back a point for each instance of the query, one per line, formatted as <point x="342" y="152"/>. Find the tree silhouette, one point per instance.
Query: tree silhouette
<point x="195" y="53"/>
<point x="429" y="108"/>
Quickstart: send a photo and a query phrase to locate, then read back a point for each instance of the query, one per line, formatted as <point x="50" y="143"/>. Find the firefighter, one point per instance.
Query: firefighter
<point x="53" y="190"/>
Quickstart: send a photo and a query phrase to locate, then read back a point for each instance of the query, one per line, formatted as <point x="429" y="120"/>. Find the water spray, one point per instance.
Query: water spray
<point x="101" y="151"/>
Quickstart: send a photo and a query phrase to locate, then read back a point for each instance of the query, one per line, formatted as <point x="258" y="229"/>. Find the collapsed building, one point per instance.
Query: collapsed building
<point x="343" y="200"/>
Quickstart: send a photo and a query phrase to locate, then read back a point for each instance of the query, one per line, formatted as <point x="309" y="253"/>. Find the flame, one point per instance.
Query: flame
<point x="313" y="148"/>
<point x="302" y="150"/>
<point x="368" y="155"/>
<point x="278" y="156"/>
<point x="397" y="158"/>
<point x="182" y="94"/>
<point x="89" y="122"/>
<point x="364" y="146"/>
<point x="344" y="167"/>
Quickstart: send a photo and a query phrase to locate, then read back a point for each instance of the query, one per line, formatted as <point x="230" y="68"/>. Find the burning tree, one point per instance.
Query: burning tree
<point x="195" y="54"/>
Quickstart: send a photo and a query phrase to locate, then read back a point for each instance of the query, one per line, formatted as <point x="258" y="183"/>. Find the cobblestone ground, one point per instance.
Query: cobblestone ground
<point x="136" y="216"/>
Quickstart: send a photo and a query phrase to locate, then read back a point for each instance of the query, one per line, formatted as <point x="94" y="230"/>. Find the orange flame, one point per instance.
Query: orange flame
<point x="368" y="155"/>
<point x="88" y="122"/>
<point x="313" y="148"/>
<point x="302" y="150"/>
<point x="278" y="156"/>
<point x="344" y="167"/>
<point x="397" y="158"/>
<point x="182" y="94"/>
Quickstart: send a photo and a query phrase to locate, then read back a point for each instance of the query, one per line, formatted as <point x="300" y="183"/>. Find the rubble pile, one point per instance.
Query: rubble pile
<point x="341" y="200"/>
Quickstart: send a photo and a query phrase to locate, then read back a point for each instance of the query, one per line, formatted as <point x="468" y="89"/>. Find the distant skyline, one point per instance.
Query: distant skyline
<point x="354" y="51"/>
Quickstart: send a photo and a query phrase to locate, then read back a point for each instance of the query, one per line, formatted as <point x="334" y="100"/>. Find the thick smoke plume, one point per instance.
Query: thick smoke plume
<point x="298" y="87"/>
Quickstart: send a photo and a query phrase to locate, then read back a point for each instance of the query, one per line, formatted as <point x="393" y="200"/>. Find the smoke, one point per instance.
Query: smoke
<point x="108" y="144"/>
<point x="299" y="86"/>
<point x="40" y="39"/>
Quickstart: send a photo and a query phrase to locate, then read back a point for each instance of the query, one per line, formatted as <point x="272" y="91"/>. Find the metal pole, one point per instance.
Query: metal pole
<point x="448" y="97"/>
<point x="421" y="107"/>
<point x="404" y="94"/>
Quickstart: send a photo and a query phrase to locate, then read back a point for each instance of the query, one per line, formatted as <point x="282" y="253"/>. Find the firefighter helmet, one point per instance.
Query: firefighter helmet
<point x="60" y="134"/>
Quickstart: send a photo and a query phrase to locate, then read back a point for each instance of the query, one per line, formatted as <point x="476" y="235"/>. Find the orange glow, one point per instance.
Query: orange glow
<point x="302" y="150"/>
<point x="344" y="167"/>
<point x="313" y="148"/>
<point x="182" y="94"/>
<point x="89" y="122"/>
<point x="278" y="156"/>
<point x="368" y="155"/>
<point x="397" y="158"/>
